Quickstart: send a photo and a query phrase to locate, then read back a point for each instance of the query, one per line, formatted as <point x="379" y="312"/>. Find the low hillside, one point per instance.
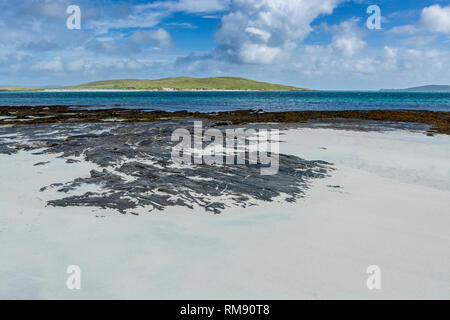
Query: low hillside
<point x="17" y="89"/>
<point x="186" y="83"/>
<point x="430" y="88"/>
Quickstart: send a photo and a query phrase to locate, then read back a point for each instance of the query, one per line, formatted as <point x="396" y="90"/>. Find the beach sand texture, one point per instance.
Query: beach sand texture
<point x="386" y="204"/>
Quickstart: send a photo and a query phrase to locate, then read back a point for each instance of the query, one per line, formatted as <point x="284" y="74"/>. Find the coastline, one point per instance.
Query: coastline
<point x="165" y="90"/>
<point x="437" y="121"/>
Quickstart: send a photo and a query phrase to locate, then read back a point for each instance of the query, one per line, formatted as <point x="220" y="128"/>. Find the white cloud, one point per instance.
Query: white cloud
<point x="54" y="65"/>
<point x="406" y="29"/>
<point x="183" y="25"/>
<point x="134" y="65"/>
<point x="127" y="65"/>
<point x="347" y="38"/>
<point x="160" y="38"/>
<point x="136" y="19"/>
<point x="391" y="52"/>
<point x="190" y="6"/>
<point x="436" y="19"/>
<point x="348" y="45"/>
<point x="151" y="14"/>
<point x="261" y="31"/>
<point x="255" y="53"/>
<point x="265" y="36"/>
<point x="48" y="9"/>
<point x="76" y="65"/>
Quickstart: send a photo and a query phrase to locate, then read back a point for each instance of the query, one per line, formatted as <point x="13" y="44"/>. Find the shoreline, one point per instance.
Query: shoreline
<point x="166" y="90"/>
<point x="155" y="90"/>
<point x="438" y="121"/>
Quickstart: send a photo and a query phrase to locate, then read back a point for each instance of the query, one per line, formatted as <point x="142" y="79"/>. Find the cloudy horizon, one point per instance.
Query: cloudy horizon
<point x="318" y="44"/>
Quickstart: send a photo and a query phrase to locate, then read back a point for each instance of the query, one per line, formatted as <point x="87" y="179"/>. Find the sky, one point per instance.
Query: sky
<point x="318" y="44"/>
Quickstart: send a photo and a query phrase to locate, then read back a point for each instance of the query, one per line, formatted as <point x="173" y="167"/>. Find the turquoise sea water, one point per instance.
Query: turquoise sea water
<point x="222" y="101"/>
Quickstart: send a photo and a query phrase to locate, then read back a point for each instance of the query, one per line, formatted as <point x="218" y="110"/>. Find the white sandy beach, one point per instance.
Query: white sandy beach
<point x="391" y="210"/>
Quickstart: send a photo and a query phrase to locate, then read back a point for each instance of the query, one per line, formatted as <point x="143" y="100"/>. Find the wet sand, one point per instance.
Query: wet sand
<point x="385" y="204"/>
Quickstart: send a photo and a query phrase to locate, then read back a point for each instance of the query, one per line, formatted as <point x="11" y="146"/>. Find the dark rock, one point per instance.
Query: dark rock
<point x="138" y="170"/>
<point x="41" y="163"/>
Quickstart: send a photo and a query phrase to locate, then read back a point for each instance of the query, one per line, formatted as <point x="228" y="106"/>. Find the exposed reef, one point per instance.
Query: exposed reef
<point x="438" y="122"/>
<point x="137" y="169"/>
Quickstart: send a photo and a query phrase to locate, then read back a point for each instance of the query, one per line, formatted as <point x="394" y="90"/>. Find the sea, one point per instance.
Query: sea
<point x="214" y="101"/>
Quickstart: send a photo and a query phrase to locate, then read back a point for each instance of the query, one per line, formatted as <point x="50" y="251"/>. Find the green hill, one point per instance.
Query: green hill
<point x="186" y="83"/>
<point x="17" y="89"/>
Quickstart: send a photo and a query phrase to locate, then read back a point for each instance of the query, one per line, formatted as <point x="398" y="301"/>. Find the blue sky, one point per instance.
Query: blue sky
<point x="321" y="44"/>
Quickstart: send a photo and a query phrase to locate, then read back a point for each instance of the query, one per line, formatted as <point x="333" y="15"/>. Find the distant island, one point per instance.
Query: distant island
<point x="430" y="88"/>
<point x="171" y="84"/>
<point x="19" y="89"/>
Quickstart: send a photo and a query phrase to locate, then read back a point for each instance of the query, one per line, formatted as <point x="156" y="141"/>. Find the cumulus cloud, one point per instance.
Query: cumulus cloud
<point x="111" y="47"/>
<point x="36" y="48"/>
<point x="183" y="25"/>
<point x="190" y="6"/>
<point x="383" y="68"/>
<point x="76" y="65"/>
<point x="41" y="45"/>
<point x="135" y="44"/>
<point x="347" y="38"/>
<point x="137" y="18"/>
<point x="47" y="9"/>
<point x="53" y="65"/>
<point x="261" y="31"/>
<point x="406" y="29"/>
<point x="436" y="19"/>
<point x="151" y="14"/>
<point x="433" y="19"/>
<point x="160" y="38"/>
<point x="261" y="39"/>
